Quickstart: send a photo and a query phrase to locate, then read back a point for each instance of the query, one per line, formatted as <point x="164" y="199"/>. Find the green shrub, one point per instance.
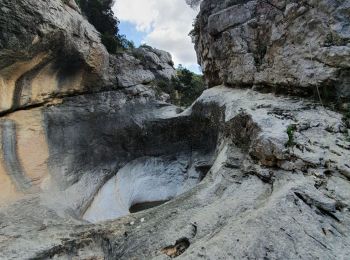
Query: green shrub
<point x="290" y="131"/>
<point x="100" y="15"/>
<point x="184" y="88"/>
<point x="333" y="39"/>
<point x="347" y="114"/>
<point x="347" y="137"/>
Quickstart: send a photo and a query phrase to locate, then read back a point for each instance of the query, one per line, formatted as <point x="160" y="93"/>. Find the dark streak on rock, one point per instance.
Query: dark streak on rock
<point x="11" y="160"/>
<point x="23" y="82"/>
<point x="318" y="241"/>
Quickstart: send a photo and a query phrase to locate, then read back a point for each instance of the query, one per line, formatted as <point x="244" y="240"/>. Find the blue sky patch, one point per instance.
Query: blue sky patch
<point x="129" y="30"/>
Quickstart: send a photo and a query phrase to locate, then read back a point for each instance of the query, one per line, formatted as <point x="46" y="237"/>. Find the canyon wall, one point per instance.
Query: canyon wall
<point x="49" y="56"/>
<point x="295" y="47"/>
<point x="88" y="144"/>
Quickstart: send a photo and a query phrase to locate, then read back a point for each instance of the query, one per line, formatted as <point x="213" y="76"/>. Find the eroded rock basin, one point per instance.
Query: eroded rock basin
<point x="145" y="183"/>
<point x="107" y="153"/>
<point x="76" y="148"/>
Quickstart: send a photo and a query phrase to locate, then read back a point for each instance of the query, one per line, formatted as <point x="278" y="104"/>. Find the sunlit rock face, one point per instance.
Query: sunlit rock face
<point x="48" y="50"/>
<point x="42" y="57"/>
<point x="50" y="55"/>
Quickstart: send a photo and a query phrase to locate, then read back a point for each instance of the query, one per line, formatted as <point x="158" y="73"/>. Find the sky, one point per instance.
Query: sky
<point x="163" y="24"/>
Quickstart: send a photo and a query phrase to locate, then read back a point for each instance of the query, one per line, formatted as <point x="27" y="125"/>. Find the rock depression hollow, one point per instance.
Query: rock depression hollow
<point x="142" y="151"/>
<point x="144" y="183"/>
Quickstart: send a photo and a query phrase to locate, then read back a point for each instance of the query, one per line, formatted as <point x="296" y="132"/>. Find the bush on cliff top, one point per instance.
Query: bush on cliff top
<point x="183" y="89"/>
<point x="100" y="15"/>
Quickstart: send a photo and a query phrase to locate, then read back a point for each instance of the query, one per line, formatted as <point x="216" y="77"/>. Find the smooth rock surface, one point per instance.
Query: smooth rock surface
<point x="144" y="180"/>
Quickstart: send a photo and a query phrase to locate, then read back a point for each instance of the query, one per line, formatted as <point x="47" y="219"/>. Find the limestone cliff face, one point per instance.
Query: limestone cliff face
<point x="48" y="53"/>
<point x="85" y="138"/>
<point x="290" y="46"/>
<point x="49" y="50"/>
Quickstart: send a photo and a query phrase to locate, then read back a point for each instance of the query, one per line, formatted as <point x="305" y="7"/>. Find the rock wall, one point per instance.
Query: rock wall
<point x="48" y="50"/>
<point x="287" y="46"/>
<point x="84" y="138"/>
<point x="55" y="74"/>
<point x="43" y="57"/>
<point x="265" y="190"/>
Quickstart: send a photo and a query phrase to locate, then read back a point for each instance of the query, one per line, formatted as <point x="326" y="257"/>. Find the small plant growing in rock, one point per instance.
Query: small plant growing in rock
<point x="347" y="137"/>
<point x="333" y="40"/>
<point x="347" y="114"/>
<point x="138" y="54"/>
<point x="346" y="118"/>
<point x="146" y="46"/>
<point x="290" y="131"/>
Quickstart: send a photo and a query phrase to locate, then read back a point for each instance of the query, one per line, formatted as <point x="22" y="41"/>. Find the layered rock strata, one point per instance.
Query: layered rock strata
<point x="48" y="50"/>
<point x="298" y="47"/>
<point x="51" y="57"/>
<point x="240" y="174"/>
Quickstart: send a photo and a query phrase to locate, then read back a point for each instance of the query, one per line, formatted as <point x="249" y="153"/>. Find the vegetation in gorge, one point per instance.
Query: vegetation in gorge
<point x="290" y="131"/>
<point x="100" y="14"/>
<point x="184" y="88"/>
<point x="347" y="114"/>
<point x="346" y="120"/>
<point x="193" y="3"/>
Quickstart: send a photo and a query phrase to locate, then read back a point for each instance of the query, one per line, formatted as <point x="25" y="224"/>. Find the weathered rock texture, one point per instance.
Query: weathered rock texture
<point x="48" y="50"/>
<point x="260" y="198"/>
<point x="290" y="46"/>
<point x="241" y="174"/>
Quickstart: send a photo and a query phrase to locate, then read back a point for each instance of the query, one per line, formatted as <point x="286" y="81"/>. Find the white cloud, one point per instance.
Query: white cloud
<point x="166" y="24"/>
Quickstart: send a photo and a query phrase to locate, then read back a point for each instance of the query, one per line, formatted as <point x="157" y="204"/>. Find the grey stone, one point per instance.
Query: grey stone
<point x="249" y="205"/>
<point x="290" y="46"/>
<point x="240" y="174"/>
